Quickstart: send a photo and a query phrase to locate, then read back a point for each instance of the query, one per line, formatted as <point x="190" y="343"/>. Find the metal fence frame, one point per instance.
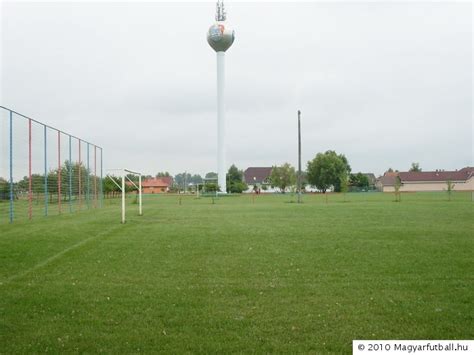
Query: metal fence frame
<point x="98" y="186"/>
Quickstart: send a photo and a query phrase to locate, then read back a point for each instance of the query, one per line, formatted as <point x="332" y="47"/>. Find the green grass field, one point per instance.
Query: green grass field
<point x="239" y="275"/>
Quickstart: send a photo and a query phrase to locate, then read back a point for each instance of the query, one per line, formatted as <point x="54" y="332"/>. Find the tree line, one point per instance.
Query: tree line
<point x="75" y="179"/>
<point x="327" y="170"/>
<point x="191" y="182"/>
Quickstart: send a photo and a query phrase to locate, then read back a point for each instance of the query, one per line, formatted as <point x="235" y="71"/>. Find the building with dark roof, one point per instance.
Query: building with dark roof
<point x="463" y="180"/>
<point x="258" y="179"/>
<point x="257" y="175"/>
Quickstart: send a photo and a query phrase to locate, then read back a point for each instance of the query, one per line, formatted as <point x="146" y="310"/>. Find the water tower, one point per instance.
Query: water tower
<point x="220" y="37"/>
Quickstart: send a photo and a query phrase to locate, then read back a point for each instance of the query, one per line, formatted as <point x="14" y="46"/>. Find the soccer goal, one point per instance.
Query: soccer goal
<point x="124" y="180"/>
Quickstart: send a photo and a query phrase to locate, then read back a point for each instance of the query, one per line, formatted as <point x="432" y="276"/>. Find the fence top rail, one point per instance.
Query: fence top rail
<point x="48" y="126"/>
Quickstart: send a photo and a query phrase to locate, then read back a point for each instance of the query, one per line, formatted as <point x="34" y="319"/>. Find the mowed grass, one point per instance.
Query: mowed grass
<point x="240" y="275"/>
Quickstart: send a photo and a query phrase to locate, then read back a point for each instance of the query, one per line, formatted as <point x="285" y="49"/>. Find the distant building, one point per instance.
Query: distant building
<point x="157" y="185"/>
<point x="386" y="182"/>
<point x="463" y="180"/>
<point x="258" y="177"/>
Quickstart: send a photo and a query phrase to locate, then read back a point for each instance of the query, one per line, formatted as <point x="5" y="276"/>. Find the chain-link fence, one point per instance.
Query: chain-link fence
<point x="45" y="171"/>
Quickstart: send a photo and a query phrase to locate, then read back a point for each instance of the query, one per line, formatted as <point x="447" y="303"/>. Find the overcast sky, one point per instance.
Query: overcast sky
<point x="384" y="83"/>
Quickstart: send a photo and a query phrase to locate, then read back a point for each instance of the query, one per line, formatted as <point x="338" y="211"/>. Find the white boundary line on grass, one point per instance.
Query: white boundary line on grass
<point x="56" y="256"/>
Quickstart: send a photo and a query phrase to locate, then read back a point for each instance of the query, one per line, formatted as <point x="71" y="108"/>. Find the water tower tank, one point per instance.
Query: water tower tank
<point x="220" y="36"/>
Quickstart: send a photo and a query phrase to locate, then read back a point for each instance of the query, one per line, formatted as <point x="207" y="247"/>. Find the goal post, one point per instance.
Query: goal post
<point x="122" y="187"/>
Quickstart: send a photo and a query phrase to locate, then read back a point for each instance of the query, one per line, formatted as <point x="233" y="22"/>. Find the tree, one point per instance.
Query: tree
<point x="396" y="187"/>
<point x="234" y="174"/>
<point x="211" y="175"/>
<point x="162" y="174"/>
<point x="235" y="178"/>
<point x="133" y="178"/>
<point x="326" y="170"/>
<point x="111" y="188"/>
<point x="344" y="185"/>
<point x="390" y="170"/>
<point x="37" y="185"/>
<point x="181" y="180"/>
<point x="211" y="186"/>
<point x="196" y="179"/>
<point x="415" y="167"/>
<point x="4" y="189"/>
<point x="449" y="189"/>
<point x="359" y="180"/>
<point x="283" y="176"/>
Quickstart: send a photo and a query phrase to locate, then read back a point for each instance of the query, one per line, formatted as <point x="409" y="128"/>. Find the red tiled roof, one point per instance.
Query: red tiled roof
<point x="427" y="176"/>
<point x="438" y="176"/>
<point x="257" y="174"/>
<point x="155" y="182"/>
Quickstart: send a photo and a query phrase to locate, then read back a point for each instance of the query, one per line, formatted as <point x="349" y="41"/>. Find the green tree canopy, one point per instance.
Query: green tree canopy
<point x="235" y="178"/>
<point x="211" y="187"/>
<point x="326" y="170"/>
<point x="110" y="187"/>
<point x="4" y="189"/>
<point x="196" y="179"/>
<point x="283" y="176"/>
<point x="415" y="167"/>
<point x="181" y="179"/>
<point x="359" y="180"/>
<point x="344" y="184"/>
<point x="211" y="175"/>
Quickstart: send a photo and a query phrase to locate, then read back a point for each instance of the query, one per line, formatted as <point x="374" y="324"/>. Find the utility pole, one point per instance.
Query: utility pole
<point x="299" y="156"/>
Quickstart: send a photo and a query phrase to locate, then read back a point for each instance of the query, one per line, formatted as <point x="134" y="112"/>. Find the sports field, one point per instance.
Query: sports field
<point x="239" y="275"/>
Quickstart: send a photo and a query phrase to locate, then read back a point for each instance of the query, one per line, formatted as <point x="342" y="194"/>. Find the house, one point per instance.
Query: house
<point x="386" y="182"/>
<point x="156" y="185"/>
<point x="258" y="177"/>
<point x="463" y="180"/>
<point x="412" y="181"/>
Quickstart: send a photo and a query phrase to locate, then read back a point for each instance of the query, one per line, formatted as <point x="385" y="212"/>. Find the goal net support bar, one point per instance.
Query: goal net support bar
<point x="123" y="188"/>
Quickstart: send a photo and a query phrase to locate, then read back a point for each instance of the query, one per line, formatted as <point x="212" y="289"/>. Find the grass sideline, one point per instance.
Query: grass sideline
<point x="239" y="275"/>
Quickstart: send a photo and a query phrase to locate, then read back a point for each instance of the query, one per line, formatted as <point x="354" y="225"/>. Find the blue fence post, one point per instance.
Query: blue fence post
<point x="11" y="166"/>
<point x="45" y="172"/>
<point x="88" y="178"/>
<point x="70" y="176"/>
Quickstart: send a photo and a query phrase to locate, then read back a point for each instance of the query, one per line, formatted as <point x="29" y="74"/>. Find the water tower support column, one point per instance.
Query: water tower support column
<point x="220" y="37"/>
<point x="221" y="122"/>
